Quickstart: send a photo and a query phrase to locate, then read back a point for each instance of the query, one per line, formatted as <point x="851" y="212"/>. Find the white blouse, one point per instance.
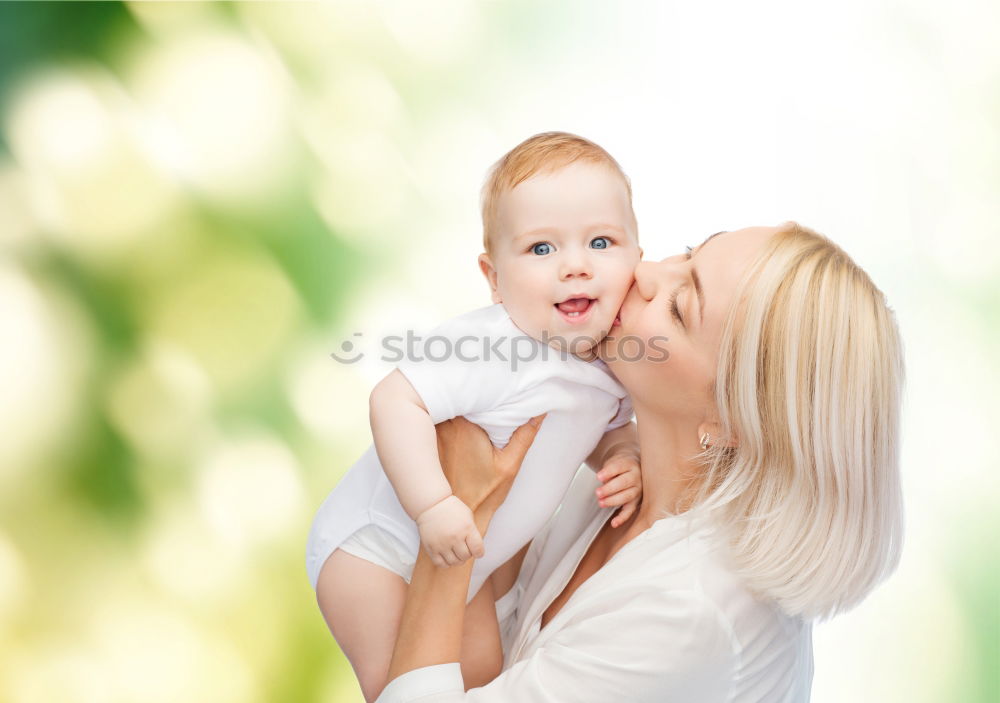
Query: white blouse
<point x="665" y="619"/>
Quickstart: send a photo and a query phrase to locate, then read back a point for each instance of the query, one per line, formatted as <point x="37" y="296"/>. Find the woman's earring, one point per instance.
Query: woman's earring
<point x="704" y="441"/>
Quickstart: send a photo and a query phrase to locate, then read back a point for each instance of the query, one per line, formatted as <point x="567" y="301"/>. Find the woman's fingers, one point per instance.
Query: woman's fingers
<point x="520" y="442"/>
<point x="506" y="464"/>
<point x="466" y="455"/>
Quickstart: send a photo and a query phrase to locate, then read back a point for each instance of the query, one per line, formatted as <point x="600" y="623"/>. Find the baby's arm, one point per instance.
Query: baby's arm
<point x="616" y="461"/>
<point x="406" y="444"/>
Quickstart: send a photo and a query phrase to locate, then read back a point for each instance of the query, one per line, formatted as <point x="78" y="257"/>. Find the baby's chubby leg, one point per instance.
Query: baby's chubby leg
<point x="362" y="604"/>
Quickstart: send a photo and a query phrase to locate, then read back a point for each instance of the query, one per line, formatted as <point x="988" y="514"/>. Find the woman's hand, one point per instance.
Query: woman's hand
<point x="430" y="631"/>
<point x="480" y="474"/>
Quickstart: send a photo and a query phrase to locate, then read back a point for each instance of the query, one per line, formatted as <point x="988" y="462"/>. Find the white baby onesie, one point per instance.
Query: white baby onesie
<point x="480" y="365"/>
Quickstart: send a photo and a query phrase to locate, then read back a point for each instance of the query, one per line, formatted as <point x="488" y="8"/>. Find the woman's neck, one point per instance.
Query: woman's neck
<point x="668" y="474"/>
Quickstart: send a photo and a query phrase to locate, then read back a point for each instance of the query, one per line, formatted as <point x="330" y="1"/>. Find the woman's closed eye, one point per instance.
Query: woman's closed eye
<point x="674" y="309"/>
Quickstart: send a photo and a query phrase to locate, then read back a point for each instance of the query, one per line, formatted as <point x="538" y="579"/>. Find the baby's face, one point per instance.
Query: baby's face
<point x="564" y="254"/>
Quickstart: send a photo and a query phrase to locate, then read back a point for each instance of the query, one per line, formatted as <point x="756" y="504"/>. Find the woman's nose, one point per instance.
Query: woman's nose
<point x="645" y="279"/>
<point x="652" y="276"/>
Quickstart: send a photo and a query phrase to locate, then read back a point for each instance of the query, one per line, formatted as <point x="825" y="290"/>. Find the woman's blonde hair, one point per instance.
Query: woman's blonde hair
<point x="809" y="385"/>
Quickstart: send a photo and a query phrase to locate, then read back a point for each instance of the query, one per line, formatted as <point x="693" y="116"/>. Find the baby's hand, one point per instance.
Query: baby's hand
<point x="622" y="485"/>
<point x="448" y="532"/>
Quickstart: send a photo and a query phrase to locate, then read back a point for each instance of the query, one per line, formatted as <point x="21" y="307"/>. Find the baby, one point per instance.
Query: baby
<point x="561" y="246"/>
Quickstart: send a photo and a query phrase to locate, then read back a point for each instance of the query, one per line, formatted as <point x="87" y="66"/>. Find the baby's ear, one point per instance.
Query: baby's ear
<point x="640" y="253"/>
<point x="486" y="266"/>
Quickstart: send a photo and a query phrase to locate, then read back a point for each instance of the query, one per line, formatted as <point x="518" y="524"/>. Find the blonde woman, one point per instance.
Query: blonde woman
<point x="770" y="494"/>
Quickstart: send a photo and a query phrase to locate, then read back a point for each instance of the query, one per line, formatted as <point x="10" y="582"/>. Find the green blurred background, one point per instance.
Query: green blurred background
<point x="200" y="201"/>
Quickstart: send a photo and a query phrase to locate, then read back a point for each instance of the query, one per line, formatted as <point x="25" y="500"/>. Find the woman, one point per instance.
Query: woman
<point x="769" y="445"/>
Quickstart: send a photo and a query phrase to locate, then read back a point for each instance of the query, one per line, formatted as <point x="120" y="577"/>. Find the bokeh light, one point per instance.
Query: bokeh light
<point x="91" y="185"/>
<point x="227" y="106"/>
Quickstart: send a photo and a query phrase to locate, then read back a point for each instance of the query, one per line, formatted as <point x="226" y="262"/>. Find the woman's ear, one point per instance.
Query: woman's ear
<point x="486" y="266"/>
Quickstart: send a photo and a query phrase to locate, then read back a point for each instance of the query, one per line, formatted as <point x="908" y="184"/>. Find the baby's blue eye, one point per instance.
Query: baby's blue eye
<point x="542" y="248"/>
<point x="600" y="243"/>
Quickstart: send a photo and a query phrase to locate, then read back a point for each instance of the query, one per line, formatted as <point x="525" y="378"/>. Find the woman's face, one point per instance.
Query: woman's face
<point x="666" y="348"/>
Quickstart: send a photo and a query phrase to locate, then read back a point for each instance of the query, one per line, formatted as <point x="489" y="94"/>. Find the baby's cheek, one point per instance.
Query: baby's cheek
<point x="626" y="272"/>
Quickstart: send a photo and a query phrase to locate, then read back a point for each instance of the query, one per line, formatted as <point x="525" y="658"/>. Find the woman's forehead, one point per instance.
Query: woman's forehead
<point x="721" y="262"/>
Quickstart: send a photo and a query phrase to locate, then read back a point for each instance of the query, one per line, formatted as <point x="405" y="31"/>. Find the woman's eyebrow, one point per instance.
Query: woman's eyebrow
<point x="707" y="241"/>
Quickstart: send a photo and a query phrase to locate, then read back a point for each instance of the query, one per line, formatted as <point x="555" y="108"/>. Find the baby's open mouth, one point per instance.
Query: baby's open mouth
<point x="575" y="308"/>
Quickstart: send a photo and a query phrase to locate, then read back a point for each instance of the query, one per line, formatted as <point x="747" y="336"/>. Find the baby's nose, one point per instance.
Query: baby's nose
<point x="575" y="265"/>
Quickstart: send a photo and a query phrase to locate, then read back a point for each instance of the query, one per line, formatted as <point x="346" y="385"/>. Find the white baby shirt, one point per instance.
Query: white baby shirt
<point x="481" y="366"/>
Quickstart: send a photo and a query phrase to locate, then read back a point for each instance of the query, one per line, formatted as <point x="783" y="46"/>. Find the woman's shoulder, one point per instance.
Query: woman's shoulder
<point x="774" y="648"/>
<point x="689" y="552"/>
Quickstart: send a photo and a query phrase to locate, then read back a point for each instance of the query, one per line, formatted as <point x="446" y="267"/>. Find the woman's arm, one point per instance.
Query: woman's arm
<point x="481" y="475"/>
<point x="634" y="642"/>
